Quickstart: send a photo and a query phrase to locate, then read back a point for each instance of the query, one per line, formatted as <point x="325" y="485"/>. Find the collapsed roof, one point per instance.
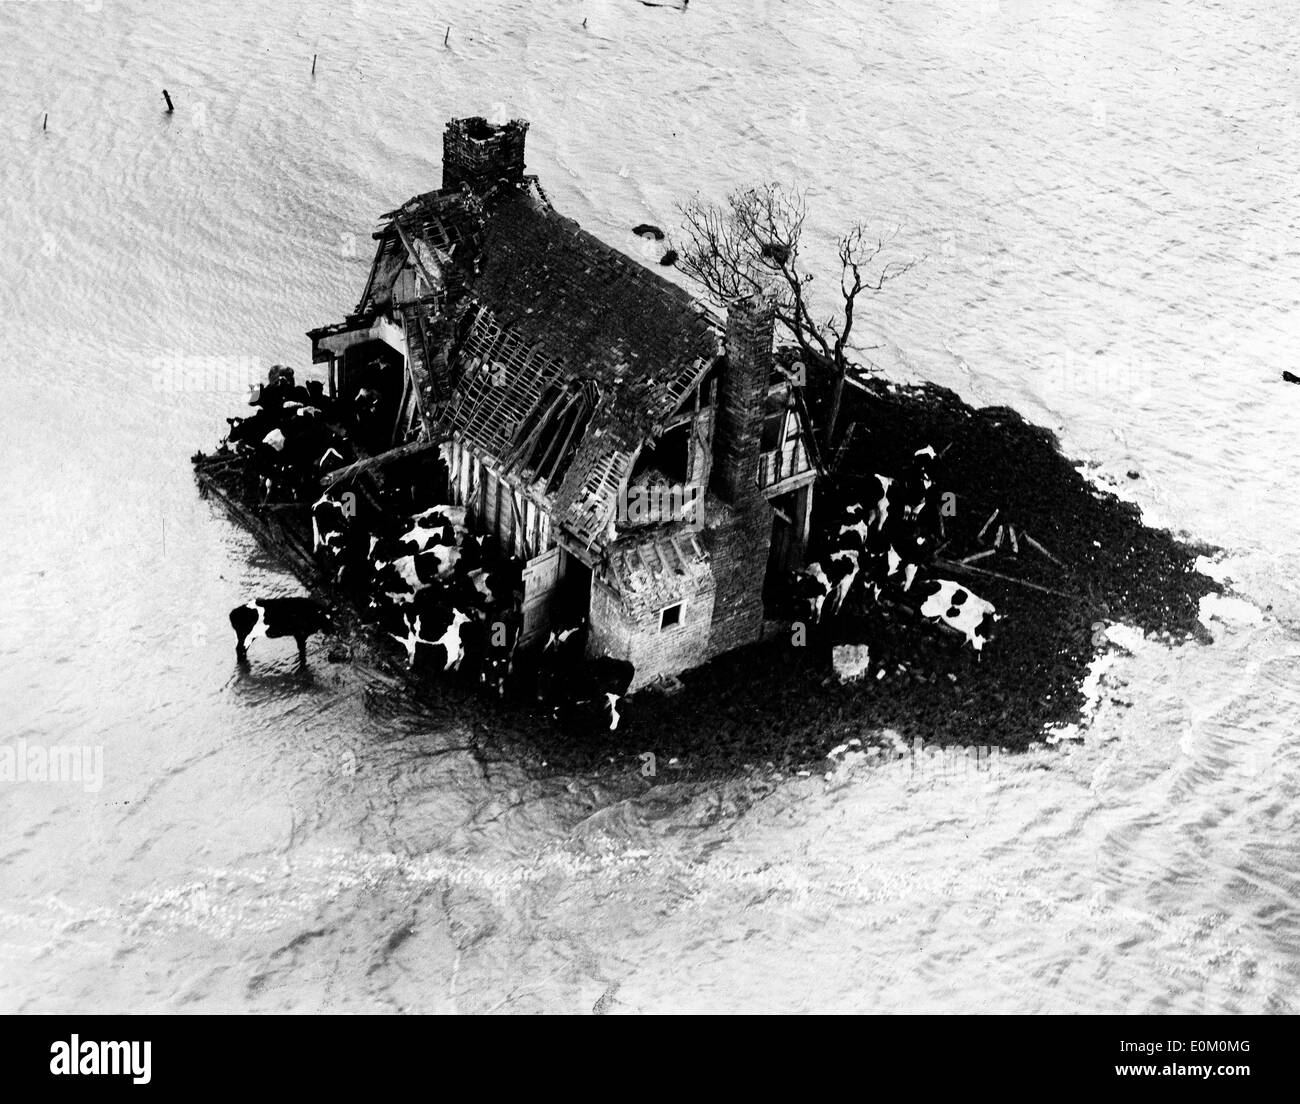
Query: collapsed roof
<point x="564" y="355"/>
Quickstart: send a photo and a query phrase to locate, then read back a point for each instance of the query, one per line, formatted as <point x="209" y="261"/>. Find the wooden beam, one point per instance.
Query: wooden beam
<point x="681" y="556"/>
<point x="952" y="565"/>
<point x="404" y="401"/>
<point x="370" y="462"/>
<point x="552" y="465"/>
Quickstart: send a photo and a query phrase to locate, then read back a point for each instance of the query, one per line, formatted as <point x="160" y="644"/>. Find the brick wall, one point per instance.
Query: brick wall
<point x="653" y="651"/>
<point x="477" y="153"/>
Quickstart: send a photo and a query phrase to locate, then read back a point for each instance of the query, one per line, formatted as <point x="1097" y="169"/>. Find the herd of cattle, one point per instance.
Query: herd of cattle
<point x="423" y="579"/>
<point x="882" y="547"/>
<point x="291" y="440"/>
<point x="420" y="576"/>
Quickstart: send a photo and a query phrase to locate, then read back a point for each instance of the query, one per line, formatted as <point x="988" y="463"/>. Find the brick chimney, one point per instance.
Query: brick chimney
<point x="741" y="542"/>
<point x="742" y="395"/>
<point x="479" y="153"/>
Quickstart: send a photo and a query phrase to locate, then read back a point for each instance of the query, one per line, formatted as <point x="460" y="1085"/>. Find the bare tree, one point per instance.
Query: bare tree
<point x="750" y="244"/>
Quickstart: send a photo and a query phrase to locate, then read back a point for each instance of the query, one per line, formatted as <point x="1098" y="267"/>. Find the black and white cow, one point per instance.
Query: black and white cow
<point x="596" y="684"/>
<point x="437" y="630"/>
<point x="832" y="578"/>
<point x="562" y="652"/>
<point x="854" y="535"/>
<point x="842" y="570"/>
<point x="249" y="431"/>
<point x="330" y="460"/>
<point x="878" y="487"/>
<point x="277" y="617"/>
<point x="329" y="523"/>
<point x="455" y="515"/>
<point x="953" y="605"/>
<point x="810" y="589"/>
<point x="421" y="535"/>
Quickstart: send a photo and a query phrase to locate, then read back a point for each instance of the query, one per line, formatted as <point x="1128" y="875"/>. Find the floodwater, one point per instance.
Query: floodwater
<point x="1100" y="196"/>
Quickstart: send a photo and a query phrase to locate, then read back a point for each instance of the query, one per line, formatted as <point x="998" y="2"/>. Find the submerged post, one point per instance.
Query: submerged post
<point x="313" y="65"/>
<point x="166" y="97"/>
<point x="46" y="121"/>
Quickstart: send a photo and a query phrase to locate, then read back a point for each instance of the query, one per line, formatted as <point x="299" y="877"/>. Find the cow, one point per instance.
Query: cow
<point x="500" y="585"/>
<point x="277" y="617"/>
<point x="453" y="514"/>
<point x="317" y="397"/>
<point x="389" y="589"/>
<point x="812" y="586"/>
<point x="421" y="537"/>
<point x="831" y="578"/>
<point x="415" y="570"/>
<point x="248" y="431"/>
<point x="471" y="554"/>
<point x="328" y="460"/>
<point x="478" y="585"/>
<point x="437" y="628"/>
<point x="853" y="536"/>
<point x="953" y="605"/>
<point x="924" y="463"/>
<point x="279" y="386"/>
<point x="843" y="571"/>
<point x="601" y="682"/>
<point x="329" y="523"/>
<point x="436" y="563"/>
<point x="880" y="507"/>
<point x="437" y="524"/>
<point x="561" y="653"/>
<point x="907" y="556"/>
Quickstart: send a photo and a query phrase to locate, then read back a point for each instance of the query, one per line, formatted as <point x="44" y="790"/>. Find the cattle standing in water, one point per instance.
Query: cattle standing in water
<point x="277" y="617"/>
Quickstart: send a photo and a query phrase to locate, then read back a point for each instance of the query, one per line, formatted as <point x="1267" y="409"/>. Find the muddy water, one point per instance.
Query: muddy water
<point x="1101" y="197"/>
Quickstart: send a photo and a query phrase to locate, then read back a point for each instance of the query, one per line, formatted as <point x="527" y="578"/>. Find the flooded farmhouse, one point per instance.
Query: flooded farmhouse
<point x="644" y="458"/>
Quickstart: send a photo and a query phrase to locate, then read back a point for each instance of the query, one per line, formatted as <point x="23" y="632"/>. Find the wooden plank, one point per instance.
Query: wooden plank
<point x="951" y="565"/>
<point x="680" y="555"/>
<point x="370" y="462"/>
<point x="992" y="518"/>
<point x="1035" y="545"/>
<point x="291" y="552"/>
